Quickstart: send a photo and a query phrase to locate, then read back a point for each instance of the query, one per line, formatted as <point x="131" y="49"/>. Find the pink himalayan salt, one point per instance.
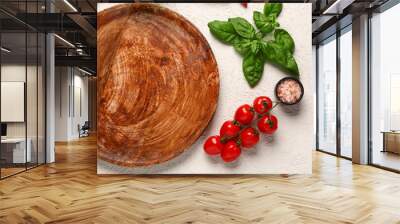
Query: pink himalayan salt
<point x="289" y="91"/>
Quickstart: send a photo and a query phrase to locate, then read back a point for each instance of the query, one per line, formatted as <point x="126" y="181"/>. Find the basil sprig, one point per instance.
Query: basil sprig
<point x="251" y="44"/>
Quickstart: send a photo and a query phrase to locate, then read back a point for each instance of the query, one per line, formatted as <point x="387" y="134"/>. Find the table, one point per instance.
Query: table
<point x="289" y="151"/>
<point x="391" y="141"/>
<point x="13" y="150"/>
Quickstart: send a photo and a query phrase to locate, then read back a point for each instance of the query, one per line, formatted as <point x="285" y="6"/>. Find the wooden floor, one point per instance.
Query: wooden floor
<point x="5" y="172"/>
<point x="69" y="191"/>
<point x="8" y="171"/>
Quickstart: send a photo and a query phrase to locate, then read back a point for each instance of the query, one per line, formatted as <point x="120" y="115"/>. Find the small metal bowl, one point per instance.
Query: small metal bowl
<point x="281" y="83"/>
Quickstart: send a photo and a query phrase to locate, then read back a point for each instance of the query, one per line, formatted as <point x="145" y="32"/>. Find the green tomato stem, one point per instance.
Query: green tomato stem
<point x="242" y="127"/>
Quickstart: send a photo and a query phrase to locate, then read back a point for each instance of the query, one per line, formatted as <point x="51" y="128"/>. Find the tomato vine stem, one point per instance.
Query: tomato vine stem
<point x="242" y="127"/>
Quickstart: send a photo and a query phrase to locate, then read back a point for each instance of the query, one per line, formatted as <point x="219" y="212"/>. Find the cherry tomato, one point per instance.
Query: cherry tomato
<point x="244" y="4"/>
<point x="262" y="104"/>
<point x="229" y="129"/>
<point x="213" y="145"/>
<point x="230" y="152"/>
<point x="249" y="137"/>
<point x="268" y="124"/>
<point x="244" y="114"/>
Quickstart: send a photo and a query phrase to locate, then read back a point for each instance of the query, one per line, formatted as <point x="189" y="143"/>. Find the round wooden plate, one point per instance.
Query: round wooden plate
<point x="158" y="84"/>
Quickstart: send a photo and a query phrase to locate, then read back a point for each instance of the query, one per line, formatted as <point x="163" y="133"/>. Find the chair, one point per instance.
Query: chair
<point x="84" y="130"/>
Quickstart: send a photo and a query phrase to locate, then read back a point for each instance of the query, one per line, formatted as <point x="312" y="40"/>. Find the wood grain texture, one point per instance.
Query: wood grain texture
<point x="158" y="84"/>
<point x="69" y="191"/>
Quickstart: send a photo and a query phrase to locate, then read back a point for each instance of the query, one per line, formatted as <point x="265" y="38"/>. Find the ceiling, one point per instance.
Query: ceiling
<point x="74" y="21"/>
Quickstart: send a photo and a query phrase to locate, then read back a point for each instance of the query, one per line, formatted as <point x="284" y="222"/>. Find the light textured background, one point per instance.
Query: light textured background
<point x="289" y="151"/>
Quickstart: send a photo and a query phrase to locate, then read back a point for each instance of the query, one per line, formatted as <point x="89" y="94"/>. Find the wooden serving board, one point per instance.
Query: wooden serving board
<point x="158" y="84"/>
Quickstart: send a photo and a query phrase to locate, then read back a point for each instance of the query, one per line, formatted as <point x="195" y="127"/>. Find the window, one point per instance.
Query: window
<point x="327" y="96"/>
<point x="346" y="92"/>
<point x="22" y="76"/>
<point x="335" y="74"/>
<point x="385" y="89"/>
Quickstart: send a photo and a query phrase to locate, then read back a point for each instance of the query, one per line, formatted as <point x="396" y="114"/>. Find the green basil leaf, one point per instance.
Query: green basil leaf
<point x="242" y="27"/>
<point x="265" y="24"/>
<point x="272" y="9"/>
<point x="279" y="56"/>
<point x="283" y="38"/>
<point x="259" y="35"/>
<point x="253" y="68"/>
<point x="255" y="46"/>
<point x="242" y="46"/>
<point x="223" y="31"/>
<point x="269" y="51"/>
<point x="291" y="66"/>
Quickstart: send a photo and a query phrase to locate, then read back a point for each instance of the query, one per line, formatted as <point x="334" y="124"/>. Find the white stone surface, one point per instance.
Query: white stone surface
<point x="290" y="149"/>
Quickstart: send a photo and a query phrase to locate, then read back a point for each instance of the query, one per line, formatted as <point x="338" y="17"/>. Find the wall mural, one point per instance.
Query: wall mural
<point x="213" y="88"/>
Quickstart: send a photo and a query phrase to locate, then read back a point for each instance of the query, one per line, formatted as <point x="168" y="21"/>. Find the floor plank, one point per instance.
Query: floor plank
<point x="69" y="191"/>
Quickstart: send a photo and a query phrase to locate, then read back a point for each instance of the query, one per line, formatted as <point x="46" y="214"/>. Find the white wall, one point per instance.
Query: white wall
<point x="70" y="83"/>
<point x="16" y="73"/>
<point x="80" y="84"/>
<point x="50" y="95"/>
<point x="62" y="81"/>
